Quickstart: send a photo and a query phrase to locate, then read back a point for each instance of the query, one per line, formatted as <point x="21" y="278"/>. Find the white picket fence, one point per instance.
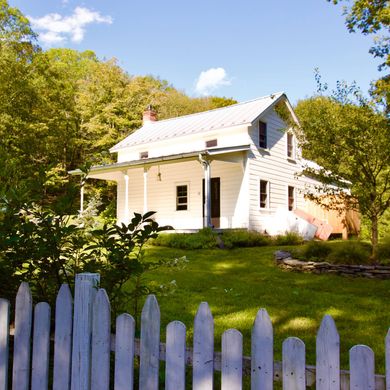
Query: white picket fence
<point x="83" y="344"/>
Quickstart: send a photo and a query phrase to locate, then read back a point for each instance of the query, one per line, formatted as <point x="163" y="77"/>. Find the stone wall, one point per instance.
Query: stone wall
<point x="284" y="260"/>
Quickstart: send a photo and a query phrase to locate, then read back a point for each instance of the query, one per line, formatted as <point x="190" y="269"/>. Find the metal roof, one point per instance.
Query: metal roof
<point x="237" y="114"/>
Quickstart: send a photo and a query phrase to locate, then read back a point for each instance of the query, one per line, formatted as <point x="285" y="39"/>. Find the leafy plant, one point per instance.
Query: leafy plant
<point x="314" y="251"/>
<point x="117" y="253"/>
<point x="238" y="238"/>
<point x="350" y="252"/>
<point x="204" y="239"/>
<point x="289" y="238"/>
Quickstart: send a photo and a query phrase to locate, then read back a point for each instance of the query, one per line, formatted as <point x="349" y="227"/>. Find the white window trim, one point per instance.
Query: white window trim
<point x="266" y="147"/>
<point x="293" y="156"/>
<point x="177" y="184"/>
<point x="295" y="197"/>
<point x="268" y="195"/>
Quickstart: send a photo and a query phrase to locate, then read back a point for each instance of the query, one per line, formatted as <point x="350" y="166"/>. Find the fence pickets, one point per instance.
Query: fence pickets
<point x="83" y="344"/>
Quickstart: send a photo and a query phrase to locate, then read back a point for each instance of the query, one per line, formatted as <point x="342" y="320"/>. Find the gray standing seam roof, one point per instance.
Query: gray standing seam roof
<point x="237" y="114"/>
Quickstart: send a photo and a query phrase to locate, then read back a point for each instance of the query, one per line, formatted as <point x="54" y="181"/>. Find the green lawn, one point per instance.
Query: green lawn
<point x="236" y="283"/>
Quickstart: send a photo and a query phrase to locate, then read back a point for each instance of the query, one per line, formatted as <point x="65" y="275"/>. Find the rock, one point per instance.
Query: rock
<point x="282" y="255"/>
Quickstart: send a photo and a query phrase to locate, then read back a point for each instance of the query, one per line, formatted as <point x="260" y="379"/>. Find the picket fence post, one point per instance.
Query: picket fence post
<point x="294" y="368"/>
<point x="63" y="339"/>
<point x="175" y="356"/>
<point x="231" y="364"/>
<point x="362" y="368"/>
<point x="124" y="352"/>
<point x="22" y="338"/>
<point x="85" y="291"/>
<point x="387" y="353"/>
<point x="203" y="351"/>
<point x="327" y="356"/>
<point x="262" y="355"/>
<point x="4" y="343"/>
<point x="150" y="345"/>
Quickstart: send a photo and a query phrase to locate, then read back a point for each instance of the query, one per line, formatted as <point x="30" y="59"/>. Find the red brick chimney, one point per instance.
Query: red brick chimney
<point x="149" y="115"/>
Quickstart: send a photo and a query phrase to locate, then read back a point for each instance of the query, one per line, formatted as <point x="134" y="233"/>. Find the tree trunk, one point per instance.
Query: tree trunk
<point x="374" y="239"/>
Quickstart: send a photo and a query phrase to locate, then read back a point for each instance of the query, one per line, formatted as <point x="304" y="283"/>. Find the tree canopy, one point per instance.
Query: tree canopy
<point x="350" y="140"/>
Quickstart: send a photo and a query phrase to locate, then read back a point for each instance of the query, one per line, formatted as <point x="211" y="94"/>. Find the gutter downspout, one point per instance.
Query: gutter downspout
<point x="207" y="191"/>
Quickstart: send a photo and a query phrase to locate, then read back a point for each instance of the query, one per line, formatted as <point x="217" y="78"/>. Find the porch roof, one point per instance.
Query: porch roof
<point x="109" y="171"/>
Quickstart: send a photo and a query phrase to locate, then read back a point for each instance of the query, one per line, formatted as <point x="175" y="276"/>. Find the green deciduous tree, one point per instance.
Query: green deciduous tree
<point x="350" y="140"/>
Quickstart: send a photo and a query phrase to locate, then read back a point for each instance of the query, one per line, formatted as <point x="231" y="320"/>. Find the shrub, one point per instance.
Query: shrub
<point x="350" y="252"/>
<point x="384" y="250"/>
<point x="203" y="239"/>
<point x="314" y="251"/>
<point x="244" y="238"/>
<point x="289" y="238"/>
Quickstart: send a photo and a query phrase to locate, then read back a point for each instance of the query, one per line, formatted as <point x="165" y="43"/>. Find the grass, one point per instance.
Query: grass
<point x="238" y="282"/>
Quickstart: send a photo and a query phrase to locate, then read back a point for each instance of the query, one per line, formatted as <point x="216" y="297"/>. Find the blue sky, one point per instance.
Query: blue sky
<point x="241" y="49"/>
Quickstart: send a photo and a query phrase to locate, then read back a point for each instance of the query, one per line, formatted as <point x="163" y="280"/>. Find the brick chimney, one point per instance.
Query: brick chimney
<point x="149" y="115"/>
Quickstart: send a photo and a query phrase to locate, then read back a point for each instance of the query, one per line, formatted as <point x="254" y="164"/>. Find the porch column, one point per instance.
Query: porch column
<point x="207" y="191"/>
<point x="81" y="198"/>
<point x="126" y="177"/>
<point x="145" y="190"/>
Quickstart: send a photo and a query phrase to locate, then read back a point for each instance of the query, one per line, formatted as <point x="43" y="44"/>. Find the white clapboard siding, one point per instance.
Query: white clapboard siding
<point x="231" y="376"/>
<point x="150" y="345"/>
<point x="362" y="368"/>
<point x="22" y="338"/>
<point x="262" y="358"/>
<point x="124" y="352"/>
<point x="85" y="291"/>
<point x="175" y="356"/>
<point x="63" y="339"/>
<point x="387" y="349"/>
<point x="293" y="350"/>
<point x="41" y="347"/>
<point x="4" y="343"/>
<point x="203" y="353"/>
<point x="101" y="342"/>
<point x="327" y="356"/>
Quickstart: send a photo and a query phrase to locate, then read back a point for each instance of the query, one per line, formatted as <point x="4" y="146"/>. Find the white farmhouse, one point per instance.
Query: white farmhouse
<point x="232" y="167"/>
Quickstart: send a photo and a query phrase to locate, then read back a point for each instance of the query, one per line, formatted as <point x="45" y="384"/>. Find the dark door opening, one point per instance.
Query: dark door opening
<point x="215" y="194"/>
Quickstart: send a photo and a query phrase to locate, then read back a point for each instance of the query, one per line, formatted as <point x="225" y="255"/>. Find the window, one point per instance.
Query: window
<point x="264" y="194"/>
<point x="182" y="197"/>
<point x="211" y="143"/>
<point x="290" y="145"/>
<point x="291" y="198"/>
<point x="144" y="155"/>
<point x="262" y="134"/>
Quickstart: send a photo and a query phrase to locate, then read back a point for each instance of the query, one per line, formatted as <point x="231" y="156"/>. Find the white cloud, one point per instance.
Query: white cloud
<point x="55" y="28"/>
<point x="210" y="80"/>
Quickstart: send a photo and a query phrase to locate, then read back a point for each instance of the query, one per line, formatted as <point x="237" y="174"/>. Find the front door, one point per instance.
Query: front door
<point x="215" y="192"/>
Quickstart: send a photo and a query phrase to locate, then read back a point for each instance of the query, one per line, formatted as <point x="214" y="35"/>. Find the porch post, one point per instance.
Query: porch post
<point x="81" y="198"/>
<point x="207" y="191"/>
<point x="126" y="177"/>
<point x="145" y="190"/>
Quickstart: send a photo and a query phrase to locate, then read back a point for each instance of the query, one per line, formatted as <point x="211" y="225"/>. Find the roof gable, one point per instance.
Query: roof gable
<point x="220" y="118"/>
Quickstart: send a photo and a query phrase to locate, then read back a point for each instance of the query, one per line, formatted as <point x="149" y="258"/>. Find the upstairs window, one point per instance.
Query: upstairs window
<point x="290" y="145"/>
<point x="182" y="197"/>
<point x="262" y="134"/>
<point x="211" y="143"/>
<point x="291" y="198"/>
<point x="264" y="196"/>
<point x="144" y="155"/>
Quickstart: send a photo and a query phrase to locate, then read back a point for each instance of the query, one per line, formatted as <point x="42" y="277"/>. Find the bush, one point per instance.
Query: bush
<point x="384" y="250"/>
<point x="350" y="252"/>
<point x="314" y="251"/>
<point x="289" y="238"/>
<point x="238" y="238"/>
<point x="203" y="239"/>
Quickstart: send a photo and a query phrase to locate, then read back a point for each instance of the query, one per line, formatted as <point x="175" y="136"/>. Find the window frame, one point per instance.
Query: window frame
<point x="267" y="193"/>
<point x="291" y="206"/>
<point x="290" y="147"/>
<point x="264" y="136"/>
<point x="212" y="143"/>
<point x="177" y="196"/>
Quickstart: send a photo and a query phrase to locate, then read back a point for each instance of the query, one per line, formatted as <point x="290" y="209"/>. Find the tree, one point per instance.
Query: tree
<point x="373" y="17"/>
<point x="350" y="139"/>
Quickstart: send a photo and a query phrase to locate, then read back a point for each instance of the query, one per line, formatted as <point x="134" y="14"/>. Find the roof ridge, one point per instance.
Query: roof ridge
<point x="214" y="109"/>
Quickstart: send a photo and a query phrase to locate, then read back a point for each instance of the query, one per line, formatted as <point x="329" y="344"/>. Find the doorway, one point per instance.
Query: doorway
<point x="215" y="199"/>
